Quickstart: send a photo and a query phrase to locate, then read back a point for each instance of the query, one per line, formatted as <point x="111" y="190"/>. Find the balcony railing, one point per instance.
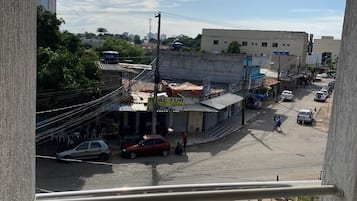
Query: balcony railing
<point x="198" y="192"/>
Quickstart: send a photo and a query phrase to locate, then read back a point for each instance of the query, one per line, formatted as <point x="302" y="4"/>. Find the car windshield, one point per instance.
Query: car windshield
<point x="112" y="76"/>
<point x="304" y="113"/>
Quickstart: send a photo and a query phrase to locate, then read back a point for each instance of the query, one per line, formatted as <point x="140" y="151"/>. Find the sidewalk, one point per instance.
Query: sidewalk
<point x="223" y="129"/>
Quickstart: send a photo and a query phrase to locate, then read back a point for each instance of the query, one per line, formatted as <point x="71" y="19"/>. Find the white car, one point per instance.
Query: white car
<point x="305" y="116"/>
<point x="325" y="91"/>
<point x="320" y="96"/>
<point x="287" y="95"/>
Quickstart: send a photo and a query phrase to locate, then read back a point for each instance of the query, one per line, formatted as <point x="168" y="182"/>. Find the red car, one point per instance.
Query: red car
<point x="150" y="145"/>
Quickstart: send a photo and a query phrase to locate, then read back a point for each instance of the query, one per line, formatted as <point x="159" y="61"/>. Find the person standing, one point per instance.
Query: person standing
<point x="184" y="140"/>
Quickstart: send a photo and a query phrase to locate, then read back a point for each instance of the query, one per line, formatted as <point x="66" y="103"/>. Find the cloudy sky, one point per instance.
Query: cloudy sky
<point x="189" y="17"/>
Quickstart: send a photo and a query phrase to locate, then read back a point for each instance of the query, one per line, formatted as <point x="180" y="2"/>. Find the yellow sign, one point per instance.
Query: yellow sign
<point x="167" y="104"/>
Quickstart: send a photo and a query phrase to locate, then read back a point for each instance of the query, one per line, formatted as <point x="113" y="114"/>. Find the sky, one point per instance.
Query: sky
<point x="189" y="17"/>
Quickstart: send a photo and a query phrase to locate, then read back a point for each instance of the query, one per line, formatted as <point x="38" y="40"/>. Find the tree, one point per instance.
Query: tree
<point x="137" y="40"/>
<point x="64" y="67"/>
<point x="234" y="48"/>
<point x="48" y="33"/>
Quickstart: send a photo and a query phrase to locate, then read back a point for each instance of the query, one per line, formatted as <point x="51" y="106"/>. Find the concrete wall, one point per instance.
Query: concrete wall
<point x="201" y="66"/>
<point x="17" y="99"/>
<point x="340" y="166"/>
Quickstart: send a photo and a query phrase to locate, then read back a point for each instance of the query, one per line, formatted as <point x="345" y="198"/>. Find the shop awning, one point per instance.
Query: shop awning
<point x="222" y="101"/>
<point x="198" y="108"/>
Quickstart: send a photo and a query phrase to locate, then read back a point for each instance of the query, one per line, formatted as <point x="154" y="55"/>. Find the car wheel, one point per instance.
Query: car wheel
<point x="132" y="155"/>
<point x="103" y="157"/>
<point x="165" y="152"/>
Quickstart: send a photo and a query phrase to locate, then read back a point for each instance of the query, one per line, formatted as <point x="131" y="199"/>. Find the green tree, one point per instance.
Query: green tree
<point x="137" y="40"/>
<point x="64" y="67"/>
<point x="234" y="48"/>
<point x="48" y="33"/>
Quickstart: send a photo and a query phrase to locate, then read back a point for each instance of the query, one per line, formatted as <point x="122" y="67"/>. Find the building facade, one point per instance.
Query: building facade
<point x="49" y="5"/>
<point x="256" y="42"/>
<point x="327" y="44"/>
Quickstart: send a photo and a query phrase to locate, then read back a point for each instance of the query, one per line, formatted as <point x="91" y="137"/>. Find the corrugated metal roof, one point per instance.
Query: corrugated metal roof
<point x="222" y="101"/>
<point x="126" y="107"/>
<point x="198" y="108"/>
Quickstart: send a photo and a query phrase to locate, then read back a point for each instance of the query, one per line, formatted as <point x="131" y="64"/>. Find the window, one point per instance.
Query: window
<point x="264" y="44"/>
<point x="215" y="42"/>
<point x="159" y="141"/>
<point x="94" y="145"/>
<point x="244" y="43"/>
<point x="83" y="146"/>
<point x="148" y="142"/>
<point x="275" y="45"/>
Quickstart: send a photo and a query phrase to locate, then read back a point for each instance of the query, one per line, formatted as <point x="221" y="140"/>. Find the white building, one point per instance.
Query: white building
<point x="327" y="44"/>
<point x="286" y="49"/>
<point x="49" y="5"/>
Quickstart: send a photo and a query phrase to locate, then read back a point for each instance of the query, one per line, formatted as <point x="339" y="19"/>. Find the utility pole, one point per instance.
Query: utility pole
<point x="245" y="88"/>
<point x="278" y="86"/>
<point x="157" y="78"/>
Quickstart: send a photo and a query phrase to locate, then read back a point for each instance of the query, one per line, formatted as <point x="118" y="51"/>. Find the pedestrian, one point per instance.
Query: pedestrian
<point x="278" y="121"/>
<point x="184" y="140"/>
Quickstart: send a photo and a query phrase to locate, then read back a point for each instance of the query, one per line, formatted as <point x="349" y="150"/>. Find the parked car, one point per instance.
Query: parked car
<point x="89" y="149"/>
<point x="322" y="75"/>
<point x="326" y="91"/>
<point x="150" y="145"/>
<point x="287" y="95"/>
<point x="129" y="140"/>
<point x="320" y="96"/>
<point x="331" y="84"/>
<point x="305" y="116"/>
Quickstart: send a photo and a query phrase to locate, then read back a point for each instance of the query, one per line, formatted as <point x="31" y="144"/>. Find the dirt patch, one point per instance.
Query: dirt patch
<point x="322" y="117"/>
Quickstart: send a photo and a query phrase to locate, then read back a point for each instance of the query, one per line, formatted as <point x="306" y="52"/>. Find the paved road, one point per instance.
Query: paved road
<point x="255" y="153"/>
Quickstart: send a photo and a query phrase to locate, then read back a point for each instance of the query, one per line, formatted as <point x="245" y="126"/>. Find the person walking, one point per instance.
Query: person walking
<point x="184" y="141"/>
<point x="278" y="123"/>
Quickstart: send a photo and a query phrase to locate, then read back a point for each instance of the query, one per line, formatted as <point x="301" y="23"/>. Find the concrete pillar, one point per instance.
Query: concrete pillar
<point x="340" y="167"/>
<point x="17" y="99"/>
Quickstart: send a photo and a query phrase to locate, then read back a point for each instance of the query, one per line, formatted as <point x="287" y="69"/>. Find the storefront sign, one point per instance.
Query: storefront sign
<point x="167" y="104"/>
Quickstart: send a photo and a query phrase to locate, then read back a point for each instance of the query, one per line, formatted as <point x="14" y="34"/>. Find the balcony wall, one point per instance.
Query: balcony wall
<point x="17" y="99"/>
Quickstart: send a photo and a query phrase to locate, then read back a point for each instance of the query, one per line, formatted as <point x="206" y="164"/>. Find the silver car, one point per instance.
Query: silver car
<point x="90" y="149"/>
<point x="305" y="116"/>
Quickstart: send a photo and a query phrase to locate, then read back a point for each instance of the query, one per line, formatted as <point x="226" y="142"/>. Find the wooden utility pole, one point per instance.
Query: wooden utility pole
<point x="157" y="78"/>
